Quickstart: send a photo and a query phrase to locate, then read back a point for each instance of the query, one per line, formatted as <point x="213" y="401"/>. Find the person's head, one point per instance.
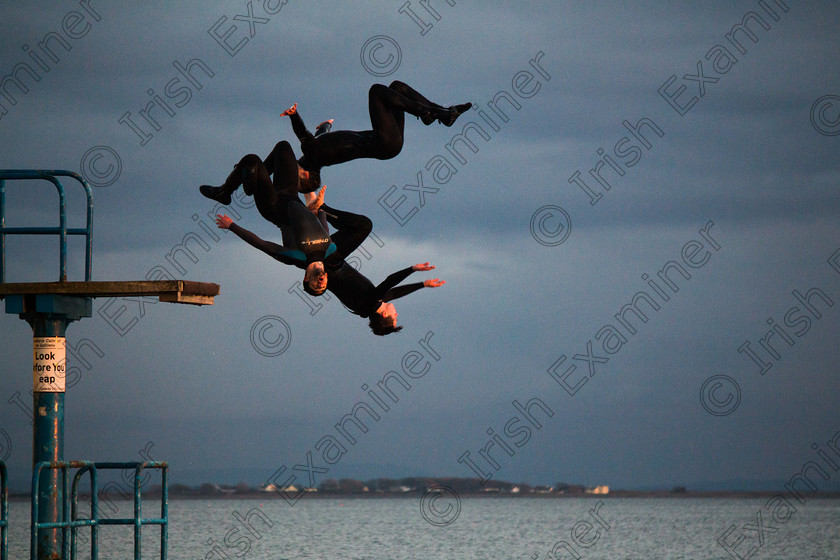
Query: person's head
<point x="315" y="279"/>
<point x="384" y="320"/>
<point x="307" y="182"/>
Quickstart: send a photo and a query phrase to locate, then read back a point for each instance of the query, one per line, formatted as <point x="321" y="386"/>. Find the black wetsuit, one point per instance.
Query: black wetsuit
<point x="351" y="230"/>
<point x="351" y="287"/>
<point x="305" y="240"/>
<point x="359" y="295"/>
<point x="387" y="106"/>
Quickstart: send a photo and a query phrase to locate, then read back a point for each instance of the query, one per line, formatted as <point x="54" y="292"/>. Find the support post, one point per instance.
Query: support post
<point x="49" y="315"/>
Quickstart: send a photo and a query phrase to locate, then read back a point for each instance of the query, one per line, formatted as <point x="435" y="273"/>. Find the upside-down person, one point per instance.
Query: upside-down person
<point x="351" y="287"/>
<point x="306" y="242"/>
<point x="361" y="297"/>
<point x="387" y="106"/>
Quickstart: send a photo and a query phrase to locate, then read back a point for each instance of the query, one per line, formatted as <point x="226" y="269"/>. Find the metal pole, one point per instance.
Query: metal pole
<point x="2" y="234"/>
<point x="48" y="315"/>
<point x="48" y="431"/>
<point x="4" y="512"/>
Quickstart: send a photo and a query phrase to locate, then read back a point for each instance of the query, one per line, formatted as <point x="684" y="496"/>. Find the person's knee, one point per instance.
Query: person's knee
<point x="250" y="160"/>
<point x="283" y="149"/>
<point x="252" y="173"/>
<point x="377" y="90"/>
<point x="362" y="225"/>
<point x="365" y="225"/>
<point x="389" y="148"/>
<point x="398" y="86"/>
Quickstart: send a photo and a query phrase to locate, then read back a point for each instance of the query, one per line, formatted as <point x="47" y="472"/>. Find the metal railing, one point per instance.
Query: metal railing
<point x="4" y="513"/>
<point x="69" y="525"/>
<point x="61" y="230"/>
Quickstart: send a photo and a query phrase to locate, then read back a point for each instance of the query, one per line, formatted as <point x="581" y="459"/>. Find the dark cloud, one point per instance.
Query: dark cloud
<point x="751" y="155"/>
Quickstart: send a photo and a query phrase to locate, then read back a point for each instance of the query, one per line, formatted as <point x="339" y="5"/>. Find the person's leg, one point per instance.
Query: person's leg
<point x="273" y="203"/>
<point x="446" y="115"/>
<point x="410" y="93"/>
<point x="279" y="200"/>
<point x="324" y="127"/>
<point x="350" y="229"/>
<point x="387" y="107"/>
<point x="256" y="181"/>
<point x="387" y="110"/>
<point x="282" y="164"/>
<point x="223" y="192"/>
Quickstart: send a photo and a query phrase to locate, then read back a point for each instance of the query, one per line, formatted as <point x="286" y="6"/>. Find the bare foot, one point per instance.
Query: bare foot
<point x="313" y="201"/>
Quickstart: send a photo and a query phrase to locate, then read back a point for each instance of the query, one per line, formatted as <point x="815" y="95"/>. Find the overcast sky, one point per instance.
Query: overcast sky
<point x="643" y="153"/>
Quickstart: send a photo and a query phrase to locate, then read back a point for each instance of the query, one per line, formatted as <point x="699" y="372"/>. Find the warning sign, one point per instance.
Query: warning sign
<point x="49" y="366"/>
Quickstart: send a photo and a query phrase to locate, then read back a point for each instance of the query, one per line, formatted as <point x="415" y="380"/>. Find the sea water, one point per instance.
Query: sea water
<point x="469" y="528"/>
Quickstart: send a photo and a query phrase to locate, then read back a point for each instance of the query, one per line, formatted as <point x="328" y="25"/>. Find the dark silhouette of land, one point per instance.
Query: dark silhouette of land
<point x="416" y="486"/>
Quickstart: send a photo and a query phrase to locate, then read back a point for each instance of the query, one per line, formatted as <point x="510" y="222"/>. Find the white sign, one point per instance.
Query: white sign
<point x="49" y="365"/>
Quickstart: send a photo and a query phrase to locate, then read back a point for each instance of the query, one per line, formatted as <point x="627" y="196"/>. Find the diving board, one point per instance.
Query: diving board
<point x="49" y="307"/>
<point x="172" y="291"/>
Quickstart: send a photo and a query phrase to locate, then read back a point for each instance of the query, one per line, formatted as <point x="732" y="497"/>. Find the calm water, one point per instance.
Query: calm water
<point x="619" y="528"/>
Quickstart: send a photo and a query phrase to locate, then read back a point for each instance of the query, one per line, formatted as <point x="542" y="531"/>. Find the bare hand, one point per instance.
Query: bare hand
<point x="290" y="111"/>
<point x="435" y="283"/>
<point x="223" y="221"/>
<point x="422" y="266"/>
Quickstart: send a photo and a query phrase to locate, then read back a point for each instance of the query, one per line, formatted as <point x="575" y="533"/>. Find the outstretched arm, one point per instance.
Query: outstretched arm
<point x="400" y="291"/>
<point x="274" y="250"/>
<point x="401" y="275"/>
<point x="297" y="123"/>
<point x="389" y="291"/>
<point x="392" y="280"/>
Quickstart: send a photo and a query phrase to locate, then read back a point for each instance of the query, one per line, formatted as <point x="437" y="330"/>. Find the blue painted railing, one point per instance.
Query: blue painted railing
<point x="61" y="230"/>
<point x="70" y="525"/>
<point x="4" y="513"/>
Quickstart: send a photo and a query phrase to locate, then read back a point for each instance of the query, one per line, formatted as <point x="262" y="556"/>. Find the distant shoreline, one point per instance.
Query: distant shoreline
<point x="414" y="494"/>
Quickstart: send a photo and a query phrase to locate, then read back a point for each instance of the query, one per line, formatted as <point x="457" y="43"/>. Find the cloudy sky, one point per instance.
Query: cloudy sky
<point x="637" y="194"/>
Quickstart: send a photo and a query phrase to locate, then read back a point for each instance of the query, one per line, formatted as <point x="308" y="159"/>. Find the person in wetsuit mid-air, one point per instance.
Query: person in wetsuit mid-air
<point x="357" y="292"/>
<point x="306" y="242"/>
<point x="351" y="230"/>
<point x="387" y="106"/>
<point x="361" y="297"/>
<point x="352" y="288"/>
